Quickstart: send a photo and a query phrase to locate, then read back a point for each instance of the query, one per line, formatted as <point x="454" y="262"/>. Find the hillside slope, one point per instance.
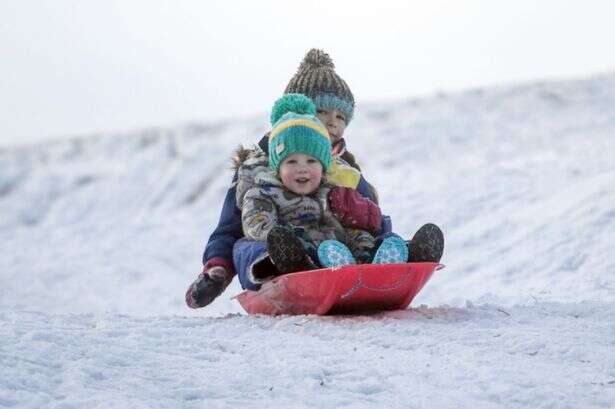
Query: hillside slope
<point x="100" y="236"/>
<point x="520" y="179"/>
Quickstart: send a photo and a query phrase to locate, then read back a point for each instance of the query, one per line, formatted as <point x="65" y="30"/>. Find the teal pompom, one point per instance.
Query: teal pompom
<point x="297" y="103"/>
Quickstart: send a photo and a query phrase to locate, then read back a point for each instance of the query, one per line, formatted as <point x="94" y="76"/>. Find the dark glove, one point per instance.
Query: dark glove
<point x="354" y="210"/>
<point x="207" y="287"/>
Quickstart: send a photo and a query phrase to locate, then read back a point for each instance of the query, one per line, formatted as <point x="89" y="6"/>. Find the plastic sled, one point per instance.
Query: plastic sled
<point x="352" y="289"/>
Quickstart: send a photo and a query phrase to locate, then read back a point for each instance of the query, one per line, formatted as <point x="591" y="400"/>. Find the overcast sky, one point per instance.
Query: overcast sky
<point x="69" y="68"/>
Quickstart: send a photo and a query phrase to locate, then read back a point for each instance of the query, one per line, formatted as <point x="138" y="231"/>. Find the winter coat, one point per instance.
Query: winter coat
<point x="219" y="248"/>
<point x="265" y="203"/>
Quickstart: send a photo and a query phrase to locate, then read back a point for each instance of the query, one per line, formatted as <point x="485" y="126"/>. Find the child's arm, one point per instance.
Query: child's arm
<point x="219" y="248"/>
<point x="354" y="210"/>
<point x="258" y="215"/>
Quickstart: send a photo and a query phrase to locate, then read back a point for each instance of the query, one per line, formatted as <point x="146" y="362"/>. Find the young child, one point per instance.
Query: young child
<point x="292" y="208"/>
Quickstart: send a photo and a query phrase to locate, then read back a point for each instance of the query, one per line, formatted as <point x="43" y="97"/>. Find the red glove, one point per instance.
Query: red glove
<point x="354" y="210"/>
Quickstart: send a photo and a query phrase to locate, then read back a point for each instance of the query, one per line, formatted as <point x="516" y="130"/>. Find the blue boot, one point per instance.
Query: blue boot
<point x="392" y="250"/>
<point x="332" y="253"/>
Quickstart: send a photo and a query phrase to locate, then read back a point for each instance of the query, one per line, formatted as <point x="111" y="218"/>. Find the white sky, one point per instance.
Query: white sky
<point x="77" y="67"/>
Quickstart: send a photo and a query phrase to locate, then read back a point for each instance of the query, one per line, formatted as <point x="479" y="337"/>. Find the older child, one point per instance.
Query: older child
<point x="287" y="204"/>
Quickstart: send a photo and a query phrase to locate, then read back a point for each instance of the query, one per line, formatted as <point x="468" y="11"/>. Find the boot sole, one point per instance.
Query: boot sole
<point x="286" y="251"/>
<point x="392" y="250"/>
<point x="427" y="244"/>
<point x="332" y="253"/>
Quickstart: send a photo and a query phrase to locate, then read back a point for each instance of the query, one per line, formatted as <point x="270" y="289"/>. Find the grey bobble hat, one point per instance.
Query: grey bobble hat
<point x="317" y="79"/>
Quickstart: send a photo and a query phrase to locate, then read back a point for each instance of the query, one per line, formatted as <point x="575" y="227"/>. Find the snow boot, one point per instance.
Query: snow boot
<point x="332" y="253"/>
<point x="392" y="250"/>
<point x="427" y="244"/>
<point x="286" y="251"/>
<point x="207" y="287"/>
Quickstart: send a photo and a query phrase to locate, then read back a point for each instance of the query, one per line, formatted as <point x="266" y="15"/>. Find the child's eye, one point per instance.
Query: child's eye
<point x="342" y="117"/>
<point x="291" y="161"/>
<point x="312" y="160"/>
<point x="321" y="111"/>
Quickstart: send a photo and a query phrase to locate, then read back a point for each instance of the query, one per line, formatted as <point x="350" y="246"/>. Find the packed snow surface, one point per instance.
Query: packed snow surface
<point x="101" y="235"/>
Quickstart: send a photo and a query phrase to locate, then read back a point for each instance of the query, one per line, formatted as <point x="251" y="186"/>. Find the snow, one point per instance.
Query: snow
<point x="101" y="235"/>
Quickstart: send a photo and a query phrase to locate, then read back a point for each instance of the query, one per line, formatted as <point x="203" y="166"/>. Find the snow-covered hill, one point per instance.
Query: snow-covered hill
<point x="100" y="236"/>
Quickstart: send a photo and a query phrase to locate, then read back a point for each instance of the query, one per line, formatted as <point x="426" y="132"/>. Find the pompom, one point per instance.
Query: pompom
<point x="316" y="58"/>
<point x="297" y="103"/>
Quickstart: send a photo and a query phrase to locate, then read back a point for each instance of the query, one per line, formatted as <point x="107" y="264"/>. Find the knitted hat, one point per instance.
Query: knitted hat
<point x="316" y="78"/>
<point x="296" y="129"/>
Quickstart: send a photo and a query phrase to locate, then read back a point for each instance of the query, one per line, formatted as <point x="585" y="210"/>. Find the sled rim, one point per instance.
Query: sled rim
<point x="350" y="289"/>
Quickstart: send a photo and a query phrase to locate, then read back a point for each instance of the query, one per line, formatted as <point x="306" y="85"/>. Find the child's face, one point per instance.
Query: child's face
<point x="334" y="121"/>
<point x="301" y="173"/>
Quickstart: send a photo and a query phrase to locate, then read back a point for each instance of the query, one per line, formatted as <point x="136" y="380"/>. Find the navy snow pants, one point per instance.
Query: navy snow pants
<point x="245" y="254"/>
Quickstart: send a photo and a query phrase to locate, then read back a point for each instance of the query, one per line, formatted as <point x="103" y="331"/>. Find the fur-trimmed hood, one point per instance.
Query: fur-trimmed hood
<point x="252" y="166"/>
<point x="243" y="155"/>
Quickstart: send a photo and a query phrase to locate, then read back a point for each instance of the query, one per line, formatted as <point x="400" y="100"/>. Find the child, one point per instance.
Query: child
<point x="287" y="205"/>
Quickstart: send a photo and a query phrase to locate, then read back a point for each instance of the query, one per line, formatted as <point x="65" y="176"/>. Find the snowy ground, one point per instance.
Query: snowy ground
<point x="100" y="236"/>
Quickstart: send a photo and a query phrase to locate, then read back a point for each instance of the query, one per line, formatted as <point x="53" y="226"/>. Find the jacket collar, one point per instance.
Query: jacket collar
<point x="339" y="148"/>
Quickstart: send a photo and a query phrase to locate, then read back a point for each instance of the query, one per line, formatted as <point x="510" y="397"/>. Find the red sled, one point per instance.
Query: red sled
<point x="351" y="289"/>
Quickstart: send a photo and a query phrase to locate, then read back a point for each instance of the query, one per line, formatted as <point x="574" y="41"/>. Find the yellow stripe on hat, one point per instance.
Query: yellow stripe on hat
<point x="299" y="122"/>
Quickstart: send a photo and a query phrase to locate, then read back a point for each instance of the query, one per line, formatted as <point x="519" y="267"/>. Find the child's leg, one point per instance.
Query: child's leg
<point x="392" y="250"/>
<point x="251" y="261"/>
<point x="427" y="244"/>
<point x="332" y="253"/>
<point x="287" y="251"/>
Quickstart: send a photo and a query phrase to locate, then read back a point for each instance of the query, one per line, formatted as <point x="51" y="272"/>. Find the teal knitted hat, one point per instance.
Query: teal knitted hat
<point x="296" y="129"/>
<point x="316" y="78"/>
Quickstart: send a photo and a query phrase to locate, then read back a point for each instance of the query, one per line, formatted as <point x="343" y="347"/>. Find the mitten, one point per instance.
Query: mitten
<point x="353" y="210"/>
<point x="207" y="287"/>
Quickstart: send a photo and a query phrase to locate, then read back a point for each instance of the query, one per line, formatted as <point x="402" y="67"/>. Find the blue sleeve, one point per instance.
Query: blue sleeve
<point x="228" y="231"/>
<point x="365" y="191"/>
<point x="363" y="188"/>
